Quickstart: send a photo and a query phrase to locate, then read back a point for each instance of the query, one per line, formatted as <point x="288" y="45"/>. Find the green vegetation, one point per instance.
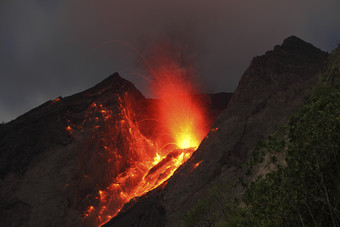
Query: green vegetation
<point x="332" y="73"/>
<point x="307" y="190"/>
<point x="304" y="188"/>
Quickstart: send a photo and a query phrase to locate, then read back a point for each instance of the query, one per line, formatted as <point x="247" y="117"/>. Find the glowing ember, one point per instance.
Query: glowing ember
<point x="56" y="100"/>
<point x="69" y="129"/>
<point x="197" y="164"/>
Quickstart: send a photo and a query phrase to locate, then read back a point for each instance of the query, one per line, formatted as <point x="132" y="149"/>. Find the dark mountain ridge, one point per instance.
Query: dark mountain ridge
<point x="46" y="152"/>
<point x="269" y="91"/>
<point x="49" y="173"/>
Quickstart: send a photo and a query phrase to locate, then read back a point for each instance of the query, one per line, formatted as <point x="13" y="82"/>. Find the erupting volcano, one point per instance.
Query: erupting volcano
<point x="110" y="155"/>
<point x="152" y="151"/>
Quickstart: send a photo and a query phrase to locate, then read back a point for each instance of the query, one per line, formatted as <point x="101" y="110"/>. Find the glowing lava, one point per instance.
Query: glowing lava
<point x="143" y="164"/>
<point x="179" y="111"/>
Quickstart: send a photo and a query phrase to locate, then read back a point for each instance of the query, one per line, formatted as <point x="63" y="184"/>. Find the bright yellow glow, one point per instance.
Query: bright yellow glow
<point x="187" y="138"/>
<point x="187" y="141"/>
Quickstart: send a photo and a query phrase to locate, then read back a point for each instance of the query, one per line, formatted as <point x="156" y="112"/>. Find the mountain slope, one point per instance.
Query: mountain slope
<point x="54" y="156"/>
<point x="270" y="90"/>
<point x="68" y="162"/>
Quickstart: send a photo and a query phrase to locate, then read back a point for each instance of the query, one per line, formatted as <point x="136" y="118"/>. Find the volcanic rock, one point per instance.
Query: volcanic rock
<point x="270" y="90"/>
<point x="53" y="156"/>
<point x="57" y="157"/>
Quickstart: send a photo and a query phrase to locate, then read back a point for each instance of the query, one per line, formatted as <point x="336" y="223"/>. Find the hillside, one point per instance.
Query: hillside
<point x="302" y="187"/>
<point x="270" y="90"/>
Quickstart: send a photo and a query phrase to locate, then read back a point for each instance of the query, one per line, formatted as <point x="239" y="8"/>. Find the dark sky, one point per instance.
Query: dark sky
<point x="48" y="47"/>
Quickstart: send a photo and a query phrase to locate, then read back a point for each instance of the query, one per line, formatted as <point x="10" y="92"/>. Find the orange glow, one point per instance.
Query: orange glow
<point x="69" y="129"/>
<point x="214" y="130"/>
<point x="182" y="118"/>
<point x="148" y="163"/>
<point x="56" y="100"/>
<point x="197" y="164"/>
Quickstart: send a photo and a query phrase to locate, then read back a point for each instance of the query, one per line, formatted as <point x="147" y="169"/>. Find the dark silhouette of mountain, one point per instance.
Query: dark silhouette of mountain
<point x="54" y="159"/>
<point x="46" y="153"/>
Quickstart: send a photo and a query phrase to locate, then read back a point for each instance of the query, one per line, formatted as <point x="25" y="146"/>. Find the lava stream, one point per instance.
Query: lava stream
<point x="153" y="161"/>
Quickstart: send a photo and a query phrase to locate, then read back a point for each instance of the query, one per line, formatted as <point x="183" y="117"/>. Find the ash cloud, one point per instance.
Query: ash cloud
<point x="48" y="48"/>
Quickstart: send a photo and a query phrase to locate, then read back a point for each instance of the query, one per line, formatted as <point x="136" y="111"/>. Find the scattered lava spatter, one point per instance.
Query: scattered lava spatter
<point x="151" y="161"/>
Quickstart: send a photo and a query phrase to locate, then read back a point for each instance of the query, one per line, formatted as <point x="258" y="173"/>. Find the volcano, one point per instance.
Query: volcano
<point x="98" y="149"/>
<point x="100" y="156"/>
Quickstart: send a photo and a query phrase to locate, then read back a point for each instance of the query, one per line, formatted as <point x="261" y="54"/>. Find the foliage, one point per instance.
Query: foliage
<point x="201" y="214"/>
<point x="207" y="212"/>
<point x="332" y="72"/>
<point x="307" y="190"/>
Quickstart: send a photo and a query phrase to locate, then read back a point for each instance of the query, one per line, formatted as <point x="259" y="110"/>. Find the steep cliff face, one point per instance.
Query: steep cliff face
<point x="270" y="90"/>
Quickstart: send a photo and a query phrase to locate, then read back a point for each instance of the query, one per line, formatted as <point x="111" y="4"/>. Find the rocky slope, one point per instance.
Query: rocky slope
<point x="55" y="158"/>
<point x="47" y="153"/>
<point x="271" y="89"/>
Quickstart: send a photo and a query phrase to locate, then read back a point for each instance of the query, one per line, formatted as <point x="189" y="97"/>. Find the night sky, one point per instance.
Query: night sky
<point x="52" y="48"/>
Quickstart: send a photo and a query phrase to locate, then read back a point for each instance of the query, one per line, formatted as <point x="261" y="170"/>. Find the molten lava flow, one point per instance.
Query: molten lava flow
<point x="143" y="164"/>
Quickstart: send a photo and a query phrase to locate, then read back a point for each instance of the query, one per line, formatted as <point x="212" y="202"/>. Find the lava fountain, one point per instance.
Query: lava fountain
<point x="180" y="113"/>
<point x="150" y="161"/>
